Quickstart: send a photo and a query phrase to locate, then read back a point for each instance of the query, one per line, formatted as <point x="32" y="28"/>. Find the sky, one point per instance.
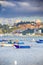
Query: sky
<point x="21" y="8"/>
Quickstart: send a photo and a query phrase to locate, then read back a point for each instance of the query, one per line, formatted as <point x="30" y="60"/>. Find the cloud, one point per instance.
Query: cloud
<point x="28" y="0"/>
<point x="32" y="2"/>
<point x="28" y="6"/>
<point x="6" y="3"/>
<point x="21" y="8"/>
<point x="38" y="3"/>
<point x="23" y="4"/>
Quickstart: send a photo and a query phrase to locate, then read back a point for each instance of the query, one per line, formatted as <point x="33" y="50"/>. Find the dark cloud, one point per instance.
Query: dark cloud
<point x="22" y="8"/>
<point x="27" y="0"/>
<point x="34" y="2"/>
<point x="24" y="0"/>
<point x="37" y="3"/>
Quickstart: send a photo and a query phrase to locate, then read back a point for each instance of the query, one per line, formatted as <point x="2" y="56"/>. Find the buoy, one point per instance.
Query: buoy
<point x="15" y="62"/>
<point x="33" y="40"/>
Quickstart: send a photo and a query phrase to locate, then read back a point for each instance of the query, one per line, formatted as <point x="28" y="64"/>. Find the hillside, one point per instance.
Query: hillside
<point x="22" y="27"/>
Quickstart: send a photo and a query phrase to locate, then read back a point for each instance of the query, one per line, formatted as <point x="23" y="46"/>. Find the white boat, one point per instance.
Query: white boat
<point x="33" y="40"/>
<point x="8" y="45"/>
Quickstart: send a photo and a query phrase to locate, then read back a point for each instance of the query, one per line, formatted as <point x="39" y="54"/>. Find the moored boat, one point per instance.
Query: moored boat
<point x="6" y="45"/>
<point x="20" y="42"/>
<point x="17" y="46"/>
<point x="39" y="41"/>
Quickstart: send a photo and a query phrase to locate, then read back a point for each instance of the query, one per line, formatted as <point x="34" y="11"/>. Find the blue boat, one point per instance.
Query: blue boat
<point x="39" y="42"/>
<point x="19" y="42"/>
<point x="3" y="40"/>
<point x="24" y="46"/>
<point x="0" y="40"/>
<point x="17" y="46"/>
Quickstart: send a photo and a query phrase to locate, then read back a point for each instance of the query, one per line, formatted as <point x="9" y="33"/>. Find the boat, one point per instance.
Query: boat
<point x="24" y="46"/>
<point x="20" y="42"/>
<point x="39" y="41"/>
<point x="6" y="45"/>
<point x="0" y="40"/>
<point x="33" y="40"/>
<point x="3" y="40"/>
<point x="17" y="46"/>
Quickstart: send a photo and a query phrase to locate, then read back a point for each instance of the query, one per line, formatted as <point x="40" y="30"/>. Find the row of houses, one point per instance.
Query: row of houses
<point x="29" y="27"/>
<point x="31" y="31"/>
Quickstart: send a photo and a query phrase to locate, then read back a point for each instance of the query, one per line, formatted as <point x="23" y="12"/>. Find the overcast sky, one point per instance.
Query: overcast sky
<point x="17" y="8"/>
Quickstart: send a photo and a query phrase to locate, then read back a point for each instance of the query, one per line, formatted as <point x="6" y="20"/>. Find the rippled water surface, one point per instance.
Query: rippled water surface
<point x="31" y="56"/>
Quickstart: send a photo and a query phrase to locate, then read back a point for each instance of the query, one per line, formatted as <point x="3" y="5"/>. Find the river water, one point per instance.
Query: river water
<point x="13" y="56"/>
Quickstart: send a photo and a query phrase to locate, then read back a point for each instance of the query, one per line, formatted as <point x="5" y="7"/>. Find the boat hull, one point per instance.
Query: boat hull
<point x="41" y="42"/>
<point x="17" y="46"/>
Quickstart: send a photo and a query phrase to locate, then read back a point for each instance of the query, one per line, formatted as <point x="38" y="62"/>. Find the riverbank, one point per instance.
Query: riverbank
<point x="37" y="34"/>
